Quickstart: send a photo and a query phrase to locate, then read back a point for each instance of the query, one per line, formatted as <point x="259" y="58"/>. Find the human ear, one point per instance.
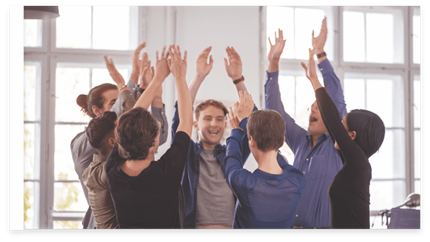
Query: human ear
<point x="96" y="110"/>
<point x="195" y="125"/>
<point x="111" y="142"/>
<point x="352" y="134"/>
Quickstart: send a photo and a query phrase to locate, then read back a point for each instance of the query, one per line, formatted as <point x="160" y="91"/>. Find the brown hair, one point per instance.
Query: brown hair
<point x="201" y="106"/>
<point x="136" y="133"/>
<point x="94" y="97"/>
<point x="100" y="129"/>
<point x="267" y="128"/>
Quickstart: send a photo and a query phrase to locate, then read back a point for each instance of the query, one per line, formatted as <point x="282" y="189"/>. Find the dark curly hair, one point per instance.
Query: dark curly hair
<point x="100" y="129"/>
<point x="136" y="133"/>
<point x="94" y="97"/>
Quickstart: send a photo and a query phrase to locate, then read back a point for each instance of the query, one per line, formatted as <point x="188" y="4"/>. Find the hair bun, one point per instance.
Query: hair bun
<point x="82" y="101"/>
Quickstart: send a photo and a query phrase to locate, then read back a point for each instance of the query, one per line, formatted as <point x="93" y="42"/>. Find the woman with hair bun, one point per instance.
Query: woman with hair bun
<point x="119" y="99"/>
<point x="357" y="137"/>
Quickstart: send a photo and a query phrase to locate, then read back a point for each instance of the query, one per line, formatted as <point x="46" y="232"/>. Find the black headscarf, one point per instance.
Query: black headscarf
<point x="369" y="129"/>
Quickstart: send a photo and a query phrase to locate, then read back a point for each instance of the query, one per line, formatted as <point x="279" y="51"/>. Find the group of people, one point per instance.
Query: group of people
<point x="202" y="184"/>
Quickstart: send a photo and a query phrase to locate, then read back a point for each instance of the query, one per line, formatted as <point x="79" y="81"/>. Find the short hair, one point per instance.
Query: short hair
<point x="94" y="97"/>
<point x="210" y="102"/>
<point x="267" y="128"/>
<point x="136" y="133"/>
<point x="369" y="130"/>
<point x="100" y="129"/>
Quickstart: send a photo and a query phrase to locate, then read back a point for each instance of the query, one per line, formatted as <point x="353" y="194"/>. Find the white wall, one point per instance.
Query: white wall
<point x="194" y="29"/>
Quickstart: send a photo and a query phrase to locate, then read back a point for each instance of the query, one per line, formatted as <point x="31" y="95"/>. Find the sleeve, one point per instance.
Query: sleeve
<point x="293" y="132"/>
<point x="332" y="83"/>
<point x="124" y="102"/>
<point x="160" y="115"/>
<point x="176" y="156"/>
<point x="134" y="88"/>
<point x="236" y="176"/>
<point x="175" y="121"/>
<point x="349" y="149"/>
<point x="245" y="145"/>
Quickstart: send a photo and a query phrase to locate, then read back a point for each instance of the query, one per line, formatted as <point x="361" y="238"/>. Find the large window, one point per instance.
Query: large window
<point x="377" y="59"/>
<point x="64" y="58"/>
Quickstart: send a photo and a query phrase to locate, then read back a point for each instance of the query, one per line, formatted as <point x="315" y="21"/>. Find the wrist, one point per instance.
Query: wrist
<point x="273" y="66"/>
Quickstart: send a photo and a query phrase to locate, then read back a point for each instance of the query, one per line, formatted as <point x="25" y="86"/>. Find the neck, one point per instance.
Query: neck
<point x="104" y="155"/>
<point x="135" y="167"/>
<point x="207" y="146"/>
<point x="314" y="138"/>
<point x="267" y="161"/>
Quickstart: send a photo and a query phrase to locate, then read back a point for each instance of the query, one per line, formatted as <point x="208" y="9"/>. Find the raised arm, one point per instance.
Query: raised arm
<point x="331" y="81"/>
<point x="134" y="76"/>
<point x="178" y="67"/>
<point x="202" y="70"/>
<point x="161" y="72"/>
<point x="234" y="69"/>
<point x="293" y="132"/>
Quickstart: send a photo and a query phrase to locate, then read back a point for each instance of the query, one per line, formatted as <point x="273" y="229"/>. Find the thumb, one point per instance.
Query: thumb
<point x="225" y="63"/>
<point x="304" y="66"/>
<point x="211" y="60"/>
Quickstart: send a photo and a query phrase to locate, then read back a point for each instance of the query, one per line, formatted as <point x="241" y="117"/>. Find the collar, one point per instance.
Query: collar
<point x="324" y="136"/>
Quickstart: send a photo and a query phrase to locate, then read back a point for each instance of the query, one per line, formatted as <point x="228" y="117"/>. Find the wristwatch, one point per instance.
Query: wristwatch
<point x="321" y="55"/>
<point x="239" y="80"/>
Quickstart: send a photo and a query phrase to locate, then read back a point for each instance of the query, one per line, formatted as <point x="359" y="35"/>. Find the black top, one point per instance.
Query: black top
<point x="150" y="199"/>
<point x="349" y="190"/>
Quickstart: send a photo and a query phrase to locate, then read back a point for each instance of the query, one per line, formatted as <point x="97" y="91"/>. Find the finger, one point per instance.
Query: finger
<point x="225" y="63"/>
<point x="169" y="63"/>
<point x="228" y="52"/>
<point x="270" y="42"/>
<point x="162" y="53"/>
<point x="156" y="56"/>
<point x="185" y="56"/>
<point x="179" y="52"/>
<point x="152" y="71"/>
<point x="211" y="60"/>
<point x="275" y="36"/>
<point x="313" y="34"/>
<point x="236" y="55"/>
<point x="281" y="35"/>
<point x="145" y="58"/>
<point x="251" y="101"/>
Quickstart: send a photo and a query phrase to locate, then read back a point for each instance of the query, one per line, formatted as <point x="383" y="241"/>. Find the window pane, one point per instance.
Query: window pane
<point x="109" y="24"/>
<point x="64" y="166"/>
<point x="416" y="33"/>
<point x="381" y="106"/>
<point x="386" y="194"/>
<point x="306" y="20"/>
<point x="101" y="75"/>
<point x="74" y="27"/>
<point x="380" y="37"/>
<point x="389" y="161"/>
<point x="69" y="197"/>
<point x="30" y="75"/>
<point x="354" y="93"/>
<point x="417" y="186"/>
<point x="70" y="83"/>
<point x="283" y="18"/>
<point x="31" y="131"/>
<point x="417" y="102"/>
<point x="417" y="153"/>
<point x="353" y="36"/>
<point x="288" y="153"/>
<point x="68" y="225"/>
<point x="32" y="32"/>
<point x="28" y="205"/>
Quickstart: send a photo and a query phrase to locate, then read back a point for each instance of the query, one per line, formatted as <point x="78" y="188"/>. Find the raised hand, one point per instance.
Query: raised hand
<point x="319" y="41"/>
<point x="202" y="66"/>
<point x="234" y="69"/>
<point x="243" y="108"/>
<point x="134" y="76"/>
<point x="276" y="49"/>
<point x="310" y="70"/>
<point x="177" y="65"/>
<point x="146" y="72"/>
<point x="232" y="120"/>
<point x="113" y="72"/>
<point x="161" y="66"/>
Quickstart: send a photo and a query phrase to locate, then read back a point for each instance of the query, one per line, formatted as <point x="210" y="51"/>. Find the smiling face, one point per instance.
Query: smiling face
<point x="210" y="126"/>
<point x="316" y="124"/>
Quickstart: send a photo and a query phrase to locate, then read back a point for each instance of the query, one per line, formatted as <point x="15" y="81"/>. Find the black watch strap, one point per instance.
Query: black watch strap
<point x="321" y="55"/>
